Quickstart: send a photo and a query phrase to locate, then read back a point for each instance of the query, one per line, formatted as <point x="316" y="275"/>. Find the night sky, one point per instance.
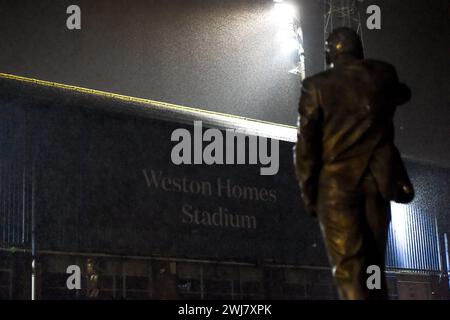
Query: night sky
<point x="225" y="56"/>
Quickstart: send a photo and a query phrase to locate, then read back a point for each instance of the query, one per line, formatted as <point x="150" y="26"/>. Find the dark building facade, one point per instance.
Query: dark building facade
<point x="87" y="179"/>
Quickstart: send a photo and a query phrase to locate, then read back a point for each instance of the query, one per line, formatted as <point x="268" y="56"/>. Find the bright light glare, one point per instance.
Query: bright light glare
<point x="284" y="12"/>
<point x="284" y="32"/>
<point x="289" y="34"/>
<point x="289" y="45"/>
<point x="284" y="15"/>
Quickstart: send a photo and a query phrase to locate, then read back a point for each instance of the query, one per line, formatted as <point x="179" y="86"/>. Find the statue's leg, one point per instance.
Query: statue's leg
<point x="378" y="216"/>
<point x="342" y="220"/>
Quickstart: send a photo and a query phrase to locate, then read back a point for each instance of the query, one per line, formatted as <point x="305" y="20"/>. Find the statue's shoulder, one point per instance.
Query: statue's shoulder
<point x="379" y="65"/>
<point x="316" y="79"/>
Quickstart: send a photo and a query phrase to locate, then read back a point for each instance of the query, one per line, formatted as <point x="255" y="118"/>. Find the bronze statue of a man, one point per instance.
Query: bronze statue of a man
<point x="346" y="162"/>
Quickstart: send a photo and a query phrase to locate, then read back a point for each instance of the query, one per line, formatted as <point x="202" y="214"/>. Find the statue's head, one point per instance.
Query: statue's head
<point x="343" y="41"/>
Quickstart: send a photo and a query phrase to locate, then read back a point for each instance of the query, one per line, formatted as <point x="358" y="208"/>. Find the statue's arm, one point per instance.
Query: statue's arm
<point x="400" y="92"/>
<point x="309" y="146"/>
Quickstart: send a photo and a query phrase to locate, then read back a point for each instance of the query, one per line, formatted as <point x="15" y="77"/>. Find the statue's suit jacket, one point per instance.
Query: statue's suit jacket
<point x="346" y="127"/>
